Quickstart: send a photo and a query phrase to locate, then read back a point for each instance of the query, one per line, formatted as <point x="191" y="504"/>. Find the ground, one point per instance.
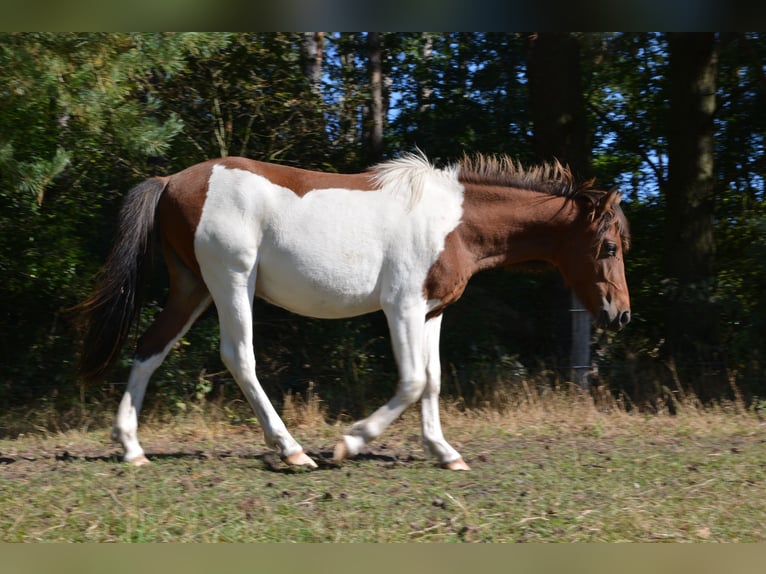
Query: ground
<point x="555" y="471"/>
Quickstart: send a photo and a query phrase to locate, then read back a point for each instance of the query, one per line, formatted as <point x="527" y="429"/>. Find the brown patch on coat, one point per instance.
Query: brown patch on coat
<point x="300" y="181"/>
<point x="448" y="276"/>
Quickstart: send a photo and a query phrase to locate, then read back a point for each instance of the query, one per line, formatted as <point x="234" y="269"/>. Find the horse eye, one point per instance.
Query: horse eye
<point x="611" y="249"/>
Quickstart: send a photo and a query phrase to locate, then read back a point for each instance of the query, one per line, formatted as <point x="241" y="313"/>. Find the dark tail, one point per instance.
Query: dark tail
<point x="110" y="311"/>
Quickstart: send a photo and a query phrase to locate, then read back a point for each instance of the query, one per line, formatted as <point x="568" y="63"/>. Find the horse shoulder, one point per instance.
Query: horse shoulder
<point x="449" y="274"/>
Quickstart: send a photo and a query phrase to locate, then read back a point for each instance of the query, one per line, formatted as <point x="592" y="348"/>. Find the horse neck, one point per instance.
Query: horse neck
<point x="504" y="226"/>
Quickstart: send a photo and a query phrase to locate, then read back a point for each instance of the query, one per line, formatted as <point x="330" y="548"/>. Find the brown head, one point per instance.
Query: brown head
<point x="592" y="257"/>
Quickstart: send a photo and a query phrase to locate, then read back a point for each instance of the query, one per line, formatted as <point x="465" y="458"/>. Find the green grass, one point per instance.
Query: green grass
<point x="556" y="468"/>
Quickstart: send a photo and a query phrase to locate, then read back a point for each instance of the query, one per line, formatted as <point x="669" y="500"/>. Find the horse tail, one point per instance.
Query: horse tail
<point x="114" y="305"/>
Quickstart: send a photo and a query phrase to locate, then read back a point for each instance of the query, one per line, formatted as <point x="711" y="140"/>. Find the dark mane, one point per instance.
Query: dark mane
<point x="552" y="178"/>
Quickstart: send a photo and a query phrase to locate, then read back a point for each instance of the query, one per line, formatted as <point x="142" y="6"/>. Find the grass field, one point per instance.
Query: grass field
<point x="552" y="467"/>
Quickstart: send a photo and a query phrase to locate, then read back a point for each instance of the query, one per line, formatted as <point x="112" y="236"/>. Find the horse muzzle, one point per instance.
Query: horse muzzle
<point x="613" y="320"/>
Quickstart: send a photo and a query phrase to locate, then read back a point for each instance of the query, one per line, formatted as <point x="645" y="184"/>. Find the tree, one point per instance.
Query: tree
<point x="79" y="120"/>
<point x="556" y="101"/>
<point x="740" y="207"/>
<point x="425" y="87"/>
<point x="692" y="335"/>
<point x="250" y="98"/>
<point x="478" y="78"/>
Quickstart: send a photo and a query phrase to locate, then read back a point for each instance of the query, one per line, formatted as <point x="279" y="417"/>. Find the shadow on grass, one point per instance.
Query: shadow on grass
<point x="270" y="460"/>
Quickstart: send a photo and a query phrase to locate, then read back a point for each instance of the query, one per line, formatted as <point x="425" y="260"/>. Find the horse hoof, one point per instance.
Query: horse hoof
<point x="299" y="458"/>
<point x="458" y="464"/>
<point x="341" y="452"/>
<point x="140" y="460"/>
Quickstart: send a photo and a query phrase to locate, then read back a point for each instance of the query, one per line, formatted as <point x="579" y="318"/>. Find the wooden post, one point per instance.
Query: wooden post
<point x="580" y="351"/>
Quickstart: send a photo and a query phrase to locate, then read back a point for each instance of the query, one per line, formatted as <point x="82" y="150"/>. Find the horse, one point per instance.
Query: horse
<point x="403" y="237"/>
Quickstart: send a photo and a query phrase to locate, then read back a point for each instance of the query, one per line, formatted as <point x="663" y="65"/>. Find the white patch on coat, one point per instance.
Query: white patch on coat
<point x="333" y="252"/>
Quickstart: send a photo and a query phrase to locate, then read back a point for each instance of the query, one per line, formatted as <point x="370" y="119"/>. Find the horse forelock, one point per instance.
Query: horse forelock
<point x="613" y="216"/>
<point x="408" y="174"/>
<point x="622" y="227"/>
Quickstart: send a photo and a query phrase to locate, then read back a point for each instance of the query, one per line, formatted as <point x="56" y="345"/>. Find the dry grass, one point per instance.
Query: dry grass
<point x="518" y="410"/>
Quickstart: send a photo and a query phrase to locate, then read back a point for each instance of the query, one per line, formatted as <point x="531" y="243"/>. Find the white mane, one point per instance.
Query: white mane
<point x="408" y="175"/>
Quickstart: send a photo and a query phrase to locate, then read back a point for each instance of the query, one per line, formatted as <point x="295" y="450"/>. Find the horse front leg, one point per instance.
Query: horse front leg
<point x="433" y="438"/>
<point x="407" y="340"/>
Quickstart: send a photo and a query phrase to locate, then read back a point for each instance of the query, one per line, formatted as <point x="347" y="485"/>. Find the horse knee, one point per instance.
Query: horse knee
<point x="235" y="359"/>
<point x="411" y="390"/>
<point x="434" y="380"/>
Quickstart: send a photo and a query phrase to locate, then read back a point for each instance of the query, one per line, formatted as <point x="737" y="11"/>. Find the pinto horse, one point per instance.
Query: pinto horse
<point x="403" y="237"/>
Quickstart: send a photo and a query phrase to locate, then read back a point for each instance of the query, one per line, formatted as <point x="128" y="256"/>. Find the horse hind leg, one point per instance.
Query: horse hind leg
<point x="187" y="299"/>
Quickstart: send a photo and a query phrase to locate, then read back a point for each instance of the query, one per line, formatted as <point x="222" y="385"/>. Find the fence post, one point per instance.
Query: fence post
<point x="579" y="356"/>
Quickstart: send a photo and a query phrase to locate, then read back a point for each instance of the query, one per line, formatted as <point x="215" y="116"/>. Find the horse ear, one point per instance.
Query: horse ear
<point x="609" y="201"/>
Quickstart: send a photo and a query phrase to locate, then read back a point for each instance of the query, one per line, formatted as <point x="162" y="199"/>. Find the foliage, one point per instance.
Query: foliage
<point x="85" y="116"/>
<point x="79" y="119"/>
<point x="246" y="99"/>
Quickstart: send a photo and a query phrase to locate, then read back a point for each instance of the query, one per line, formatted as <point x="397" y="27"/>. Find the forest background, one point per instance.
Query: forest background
<point x="678" y="120"/>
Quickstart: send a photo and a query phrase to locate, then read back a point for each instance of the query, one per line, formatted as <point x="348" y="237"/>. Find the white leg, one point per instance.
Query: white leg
<point x="407" y="340"/>
<point x="433" y="439"/>
<point x="125" y="430"/>
<point x="234" y="300"/>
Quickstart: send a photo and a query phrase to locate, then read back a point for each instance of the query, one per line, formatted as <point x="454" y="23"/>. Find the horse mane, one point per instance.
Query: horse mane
<point x="552" y="177"/>
<point x="409" y="174"/>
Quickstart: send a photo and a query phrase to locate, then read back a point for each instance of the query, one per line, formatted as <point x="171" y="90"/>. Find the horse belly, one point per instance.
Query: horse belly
<point x="316" y="285"/>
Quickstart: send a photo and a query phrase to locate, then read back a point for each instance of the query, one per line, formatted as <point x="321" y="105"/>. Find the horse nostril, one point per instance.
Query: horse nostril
<point x="624" y="318"/>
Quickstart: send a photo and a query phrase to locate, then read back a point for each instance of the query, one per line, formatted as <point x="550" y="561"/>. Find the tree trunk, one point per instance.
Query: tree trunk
<point x="691" y="319"/>
<point x="375" y="139"/>
<point x="425" y="75"/>
<point x="556" y="100"/>
<point x="350" y="132"/>
<point x="311" y="60"/>
<point x="560" y="131"/>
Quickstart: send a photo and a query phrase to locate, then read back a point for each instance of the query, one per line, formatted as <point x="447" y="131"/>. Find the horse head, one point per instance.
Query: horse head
<point x="593" y="260"/>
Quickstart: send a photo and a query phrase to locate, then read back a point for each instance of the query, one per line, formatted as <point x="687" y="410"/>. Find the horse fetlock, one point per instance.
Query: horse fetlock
<point x="349" y="446"/>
